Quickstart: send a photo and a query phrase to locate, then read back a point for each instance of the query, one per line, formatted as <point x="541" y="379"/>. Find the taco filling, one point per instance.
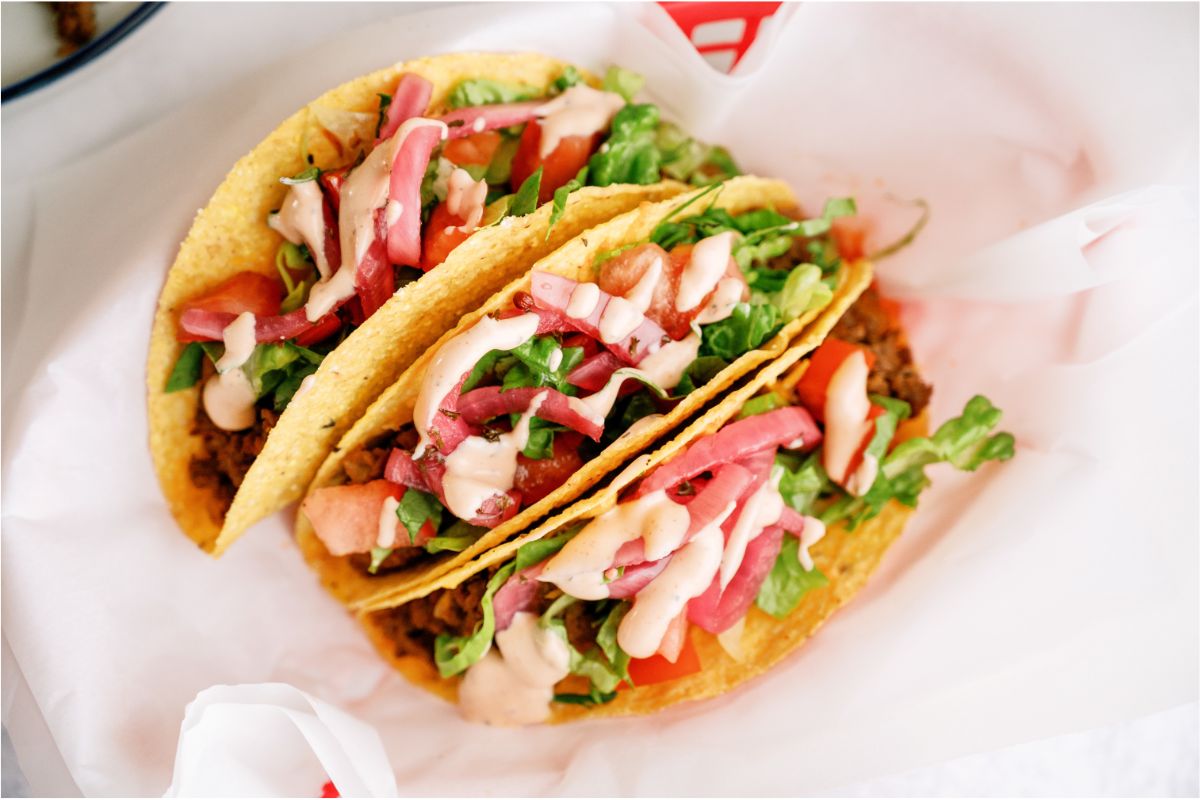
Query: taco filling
<point x="387" y="208"/>
<point x="724" y="526"/>
<point x="516" y="404"/>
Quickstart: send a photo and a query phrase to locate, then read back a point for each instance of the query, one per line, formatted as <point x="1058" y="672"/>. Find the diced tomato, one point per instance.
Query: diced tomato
<point x="560" y="166"/>
<point x="538" y="477"/>
<point x="814" y="383"/>
<point x="245" y="291"/>
<point x="325" y="327"/>
<point x="329" y="790"/>
<point x="657" y="669"/>
<point x="850" y="236"/>
<point x="477" y="149"/>
<point x="620" y="274"/>
<point x="442" y="235"/>
<point x="346" y="518"/>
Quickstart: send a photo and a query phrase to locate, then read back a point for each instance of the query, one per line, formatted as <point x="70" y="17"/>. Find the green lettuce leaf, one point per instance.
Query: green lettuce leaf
<point x="963" y="442"/>
<point x="698" y="373"/>
<point x="188" y="368"/>
<point x="537" y="551"/>
<point x="624" y="82"/>
<point x="744" y="330"/>
<point x="570" y="77"/>
<point x="762" y="404"/>
<point x="629" y="155"/>
<point x="804" y="290"/>
<point x="788" y="581"/>
<point x="691" y="161"/>
<point x="454" y="654"/>
<point x="606" y="640"/>
<point x="486" y="92"/>
<point x="594" y="697"/>
<point x="802" y="479"/>
<point x="415" y="509"/>
<point x="560" y="197"/>
<point x="385" y="100"/>
<point x="525" y="201"/>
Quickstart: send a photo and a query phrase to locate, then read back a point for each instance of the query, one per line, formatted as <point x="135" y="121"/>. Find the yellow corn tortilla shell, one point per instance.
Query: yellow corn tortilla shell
<point x="230" y="235"/>
<point x="576" y="260"/>
<point x="847" y="560"/>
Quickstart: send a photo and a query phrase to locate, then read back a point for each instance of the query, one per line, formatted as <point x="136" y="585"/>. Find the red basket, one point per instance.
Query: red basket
<point x="722" y="32"/>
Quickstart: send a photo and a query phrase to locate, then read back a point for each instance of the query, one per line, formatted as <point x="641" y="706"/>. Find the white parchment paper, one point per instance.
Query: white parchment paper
<point x="1058" y="275"/>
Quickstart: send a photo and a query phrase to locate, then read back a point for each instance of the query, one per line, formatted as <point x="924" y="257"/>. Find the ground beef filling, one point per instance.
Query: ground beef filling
<point x="227" y="456"/>
<point x="894" y="375"/>
<point x="414" y="626"/>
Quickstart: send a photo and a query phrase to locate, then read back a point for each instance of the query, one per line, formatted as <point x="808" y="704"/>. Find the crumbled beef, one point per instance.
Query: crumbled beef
<point x="367" y="462"/>
<point x="227" y="456"/>
<point x="398" y="559"/>
<point x="415" y="625"/>
<point x="868" y="323"/>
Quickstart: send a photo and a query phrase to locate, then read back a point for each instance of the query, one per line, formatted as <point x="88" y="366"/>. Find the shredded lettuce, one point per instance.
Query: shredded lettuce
<point x="788" y="581"/>
<point x="570" y="77"/>
<point x="525" y="201"/>
<point x="499" y="171"/>
<point x="691" y="161"/>
<point x="539" y="550"/>
<point x="278" y="369"/>
<point x="963" y="442"/>
<point x="378" y="556"/>
<point x="606" y="640"/>
<point x="415" y="509"/>
<point x="762" y="404"/>
<point x="629" y="155"/>
<point x="802" y="479"/>
<point x="698" y="373"/>
<point x="560" y="197"/>
<point x="454" y="654"/>
<point x="594" y="697"/>
<point x="624" y="82"/>
<point x="288" y="258"/>
<point x="804" y="290"/>
<point x="486" y="92"/>
<point x="187" y="370"/>
<point x="744" y="330"/>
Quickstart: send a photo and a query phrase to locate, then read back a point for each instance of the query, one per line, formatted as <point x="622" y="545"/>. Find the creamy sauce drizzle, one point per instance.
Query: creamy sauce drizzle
<point x="325" y="294"/>
<point x="813" y="532"/>
<point x="727" y="296"/>
<point x="763" y="509"/>
<point x="584" y="298"/>
<point x="301" y="220"/>
<point x="364" y="192"/>
<point x="688" y="574"/>
<point x="478" y="469"/>
<point x="515" y="686"/>
<point x="458" y="356"/>
<point x="710" y="258"/>
<point x="239" y="342"/>
<point x="229" y="400"/>
<point x="665" y="366"/>
<point x="846" y="409"/>
<point x="642" y="292"/>
<point x="579" y="111"/>
<point x="465" y="198"/>
<point x="578" y="569"/>
<point x="860" y="482"/>
<point x="620" y="318"/>
<point x="555" y="359"/>
<point x="387" y="523"/>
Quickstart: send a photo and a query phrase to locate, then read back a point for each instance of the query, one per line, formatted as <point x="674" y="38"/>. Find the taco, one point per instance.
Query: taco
<point x="607" y="344"/>
<point x="359" y="232"/>
<point x="705" y="562"/>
